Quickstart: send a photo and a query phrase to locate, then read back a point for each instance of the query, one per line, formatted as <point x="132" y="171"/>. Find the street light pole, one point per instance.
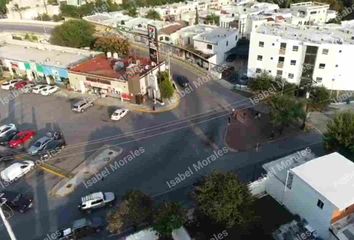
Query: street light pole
<point x="6" y="223"/>
<point x="306" y="109"/>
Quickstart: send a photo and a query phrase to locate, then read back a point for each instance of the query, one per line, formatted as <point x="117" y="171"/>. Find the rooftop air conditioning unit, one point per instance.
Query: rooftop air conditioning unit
<point x="115" y="55"/>
<point x="109" y="55"/>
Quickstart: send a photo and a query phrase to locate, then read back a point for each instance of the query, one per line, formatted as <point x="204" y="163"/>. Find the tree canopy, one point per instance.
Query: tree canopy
<point x="3" y="8"/>
<point x="224" y="199"/>
<point x="73" y="33"/>
<point x="340" y="134"/>
<point x="153" y="14"/>
<point x="112" y="44"/>
<point x="165" y="84"/>
<point x="168" y="217"/>
<point x="319" y="98"/>
<point x="213" y="19"/>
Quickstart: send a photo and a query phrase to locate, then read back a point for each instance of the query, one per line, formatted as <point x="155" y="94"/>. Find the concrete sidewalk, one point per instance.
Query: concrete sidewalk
<point x="147" y="107"/>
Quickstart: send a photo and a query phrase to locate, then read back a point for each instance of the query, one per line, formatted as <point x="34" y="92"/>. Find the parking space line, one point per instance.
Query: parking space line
<point x="55" y="170"/>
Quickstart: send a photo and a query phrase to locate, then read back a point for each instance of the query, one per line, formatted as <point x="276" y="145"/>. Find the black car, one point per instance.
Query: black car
<point x="4" y="140"/>
<point x="54" y="146"/>
<point x="81" y="228"/>
<point x="6" y="154"/>
<point x="182" y="81"/>
<point x="16" y="201"/>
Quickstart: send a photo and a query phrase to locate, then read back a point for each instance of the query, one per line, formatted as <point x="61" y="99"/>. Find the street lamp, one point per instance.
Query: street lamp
<point x="6" y="223"/>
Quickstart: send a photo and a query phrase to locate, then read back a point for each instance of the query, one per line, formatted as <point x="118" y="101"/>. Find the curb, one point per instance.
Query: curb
<point x="171" y="107"/>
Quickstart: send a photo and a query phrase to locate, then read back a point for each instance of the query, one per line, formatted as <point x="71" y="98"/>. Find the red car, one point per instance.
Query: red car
<point x="21" y="138"/>
<point x="20" y="84"/>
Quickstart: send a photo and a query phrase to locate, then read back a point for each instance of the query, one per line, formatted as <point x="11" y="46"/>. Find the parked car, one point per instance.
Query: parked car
<point x="38" y="88"/>
<point x="20" y="84"/>
<point x="21" y="138"/>
<point x="7" y="85"/>
<point x="7" y="137"/>
<point x="54" y="146"/>
<point x="96" y="200"/>
<point x="82" y="105"/>
<point x="28" y="88"/>
<point x="7" y="128"/>
<point x="119" y="113"/>
<point x="39" y="145"/>
<point x="81" y="228"/>
<point x="16" y="201"/>
<point x="48" y="90"/>
<point x="182" y="81"/>
<point x="16" y="170"/>
<point x="6" y="154"/>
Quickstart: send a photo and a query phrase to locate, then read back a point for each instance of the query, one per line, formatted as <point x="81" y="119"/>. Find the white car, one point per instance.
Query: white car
<point x="38" y="88"/>
<point x="16" y="170"/>
<point x="48" y="90"/>
<point x="9" y="84"/>
<point x="6" y="128"/>
<point x="96" y="200"/>
<point x="119" y="113"/>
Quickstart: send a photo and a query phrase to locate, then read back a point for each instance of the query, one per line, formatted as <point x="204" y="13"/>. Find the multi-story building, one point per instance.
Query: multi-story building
<point x="317" y="190"/>
<point x="308" y="53"/>
<point x="309" y="13"/>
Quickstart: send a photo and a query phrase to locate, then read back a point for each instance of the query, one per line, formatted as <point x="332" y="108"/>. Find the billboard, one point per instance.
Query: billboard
<point x="153" y="44"/>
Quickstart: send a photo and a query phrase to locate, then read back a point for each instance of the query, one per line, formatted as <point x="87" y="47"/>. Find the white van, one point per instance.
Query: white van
<point x="16" y="170"/>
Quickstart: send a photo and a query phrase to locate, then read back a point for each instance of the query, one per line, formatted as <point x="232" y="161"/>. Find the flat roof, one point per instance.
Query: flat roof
<point x="215" y="35"/>
<point x="332" y="176"/>
<point x="310" y="34"/>
<point x="43" y="55"/>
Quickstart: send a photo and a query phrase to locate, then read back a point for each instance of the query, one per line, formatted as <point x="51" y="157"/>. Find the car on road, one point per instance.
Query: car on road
<point x="22" y="138"/>
<point x="20" y="84"/>
<point x="16" y="201"/>
<point x="6" y="154"/>
<point x="54" y="146"/>
<point x="119" y="113"/>
<point x="96" y="200"/>
<point x="16" y="170"/>
<point x="82" y="228"/>
<point x="39" y="145"/>
<point x="48" y="90"/>
<point x="38" y="88"/>
<point x="82" y="105"/>
<point x="7" y="85"/>
<point x="182" y="81"/>
<point x="4" y="129"/>
<point x="7" y="137"/>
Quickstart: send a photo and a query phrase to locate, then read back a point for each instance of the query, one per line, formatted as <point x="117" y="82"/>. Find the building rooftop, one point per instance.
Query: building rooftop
<point x="308" y="5"/>
<point x="60" y="57"/>
<point x="215" y="35"/>
<point x="120" y="69"/>
<point x="310" y="34"/>
<point x="279" y="168"/>
<point x="332" y="176"/>
<point x="173" y="28"/>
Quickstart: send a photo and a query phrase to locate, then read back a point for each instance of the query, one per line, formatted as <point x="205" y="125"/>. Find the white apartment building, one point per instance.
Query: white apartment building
<point x="321" y="54"/>
<point x="310" y="13"/>
<point x="318" y="190"/>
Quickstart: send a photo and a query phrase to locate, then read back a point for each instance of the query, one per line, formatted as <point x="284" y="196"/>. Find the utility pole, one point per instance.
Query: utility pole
<point x="6" y="223"/>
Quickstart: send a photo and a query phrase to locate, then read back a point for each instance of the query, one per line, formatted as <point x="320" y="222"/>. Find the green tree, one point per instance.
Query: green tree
<point x="131" y="11"/>
<point x="213" y="19"/>
<point x="319" y="98"/>
<point x="3" y="9"/>
<point x="261" y="82"/>
<point x="224" y="199"/>
<point x="286" y="110"/>
<point x="112" y="44"/>
<point x="43" y="17"/>
<point x="340" y="134"/>
<point x="69" y="11"/>
<point x="168" y="217"/>
<point x="165" y="84"/>
<point x="136" y="208"/>
<point x="73" y="33"/>
<point x="53" y="2"/>
<point x="153" y="14"/>
<point x="18" y="9"/>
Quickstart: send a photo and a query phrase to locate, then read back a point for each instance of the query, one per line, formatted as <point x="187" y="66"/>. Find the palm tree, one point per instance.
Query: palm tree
<point x="18" y="9"/>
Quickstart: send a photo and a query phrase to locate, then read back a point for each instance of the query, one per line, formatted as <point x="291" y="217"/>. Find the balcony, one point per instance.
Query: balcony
<point x="282" y="51"/>
<point x="280" y="64"/>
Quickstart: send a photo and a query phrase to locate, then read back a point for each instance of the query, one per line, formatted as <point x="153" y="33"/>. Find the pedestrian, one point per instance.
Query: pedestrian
<point x="257" y="146"/>
<point x="229" y="120"/>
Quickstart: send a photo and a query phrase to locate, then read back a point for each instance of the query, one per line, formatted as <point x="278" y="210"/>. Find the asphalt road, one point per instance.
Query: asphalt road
<point x="16" y="27"/>
<point x="173" y="142"/>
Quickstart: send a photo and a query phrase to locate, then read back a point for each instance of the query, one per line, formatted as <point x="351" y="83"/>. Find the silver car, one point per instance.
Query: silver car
<point x="82" y="105"/>
<point x="39" y="145"/>
<point x="6" y="128"/>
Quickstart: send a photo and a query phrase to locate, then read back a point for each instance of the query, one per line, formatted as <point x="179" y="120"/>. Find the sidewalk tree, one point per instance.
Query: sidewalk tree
<point x="73" y="33"/>
<point x="224" y="199"/>
<point x="285" y="110"/>
<point x="136" y="208"/>
<point x="340" y="134"/>
<point x="261" y="82"/>
<point x="165" y="84"/>
<point x="168" y="217"/>
<point x="153" y="14"/>
<point x="112" y="44"/>
<point x="319" y="98"/>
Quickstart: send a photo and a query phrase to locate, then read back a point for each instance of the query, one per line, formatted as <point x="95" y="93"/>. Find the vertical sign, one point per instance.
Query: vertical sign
<point x="153" y="45"/>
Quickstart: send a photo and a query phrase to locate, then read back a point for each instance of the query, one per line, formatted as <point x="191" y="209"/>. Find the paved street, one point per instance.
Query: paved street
<point x="16" y="27"/>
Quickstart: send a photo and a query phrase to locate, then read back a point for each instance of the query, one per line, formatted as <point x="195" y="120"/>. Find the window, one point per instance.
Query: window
<point x="273" y="44"/>
<point x="271" y="58"/>
<point x="227" y="43"/>
<point x="322" y="65"/>
<point x="313" y="12"/>
<point x="336" y="65"/>
<point x="340" y="51"/>
<point x="282" y="45"/>
<point x="325" y="51"/>
<point x="295" y="48"/>
<point x="270" y="71"/>
<point x="261" y="44"/>
<point x="293" y="62"/>
<point x="259" y="58"/>
<point x="279" y="73"/>
<point x="209" y="46"/>
<point x="290" y="75"/>
<point x="318" y="79"/>
<point x="289" y="181"/>
<point x="161" y="38"/>
<point x="258" y="70"/>
<point x="320" y="204"/>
